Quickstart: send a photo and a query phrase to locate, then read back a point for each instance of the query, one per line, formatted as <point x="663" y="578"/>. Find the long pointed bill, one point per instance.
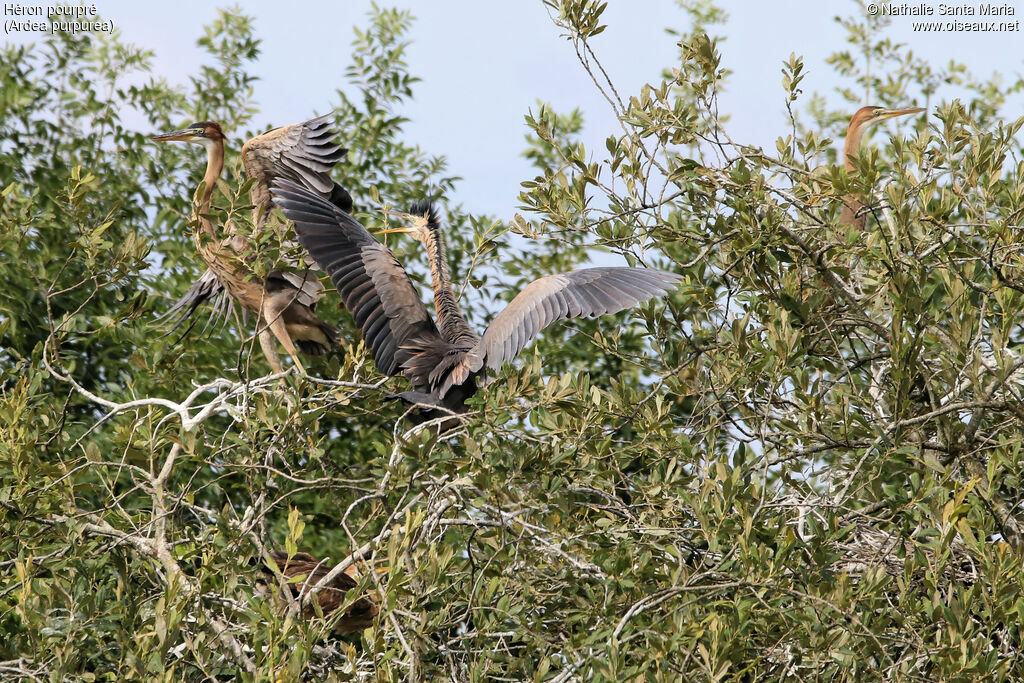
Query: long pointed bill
<point x="890" y="113"/>
<point x="403" y="229"/>
<point x="185" y="134"/>
<point x="389" y="231"/>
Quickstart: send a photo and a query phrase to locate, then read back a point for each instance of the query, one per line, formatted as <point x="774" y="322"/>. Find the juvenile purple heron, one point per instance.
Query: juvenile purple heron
<point x="443" y="360"/>
<point x="302" y="571"/>
<point x="855" y="209"/>
<point x="284" y="302"/>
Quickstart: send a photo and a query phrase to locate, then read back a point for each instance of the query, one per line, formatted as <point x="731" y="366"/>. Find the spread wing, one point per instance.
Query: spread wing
<point x="302" y="152"/>
<point x="371" y="281"/>
<point x="585" y="293"/>
<point x="206" y="288"/>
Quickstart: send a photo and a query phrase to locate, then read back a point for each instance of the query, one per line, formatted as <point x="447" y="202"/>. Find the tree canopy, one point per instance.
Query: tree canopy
<point x="803" y="464"/>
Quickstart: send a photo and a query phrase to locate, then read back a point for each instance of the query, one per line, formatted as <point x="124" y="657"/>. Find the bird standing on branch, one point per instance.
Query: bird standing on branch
<point x="444" y="360"/>
<point x="854" y="213"/>
<point x="283" y="302"/>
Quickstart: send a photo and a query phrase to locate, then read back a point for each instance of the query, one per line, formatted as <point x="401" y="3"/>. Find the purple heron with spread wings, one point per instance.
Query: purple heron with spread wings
<point x="284" y="302"/>
<point x="854" y="213"/>
<point x="444" y="359"/>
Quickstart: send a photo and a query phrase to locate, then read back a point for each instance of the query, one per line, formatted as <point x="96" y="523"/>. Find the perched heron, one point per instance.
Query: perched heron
<point x="303" y="571"/>
<point x="444" y="360"/>
<point x="283" y="302"/>
<point x="854" y="213"/>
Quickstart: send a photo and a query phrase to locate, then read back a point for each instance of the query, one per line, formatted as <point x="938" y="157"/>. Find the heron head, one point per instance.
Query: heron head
<point x="204" y="133"/>
<point x="869" y="116"/>
<point x="421" y="220"/>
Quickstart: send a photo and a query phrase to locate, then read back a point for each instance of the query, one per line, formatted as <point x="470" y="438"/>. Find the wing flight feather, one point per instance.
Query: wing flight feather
<point x="370" y="280"/>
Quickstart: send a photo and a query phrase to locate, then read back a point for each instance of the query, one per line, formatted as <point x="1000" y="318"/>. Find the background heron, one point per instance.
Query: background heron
<point x="443" y="360"/>
<point x="284" y="302"/>
<point x="303" y="571"/>
<point x="854" y="213"/>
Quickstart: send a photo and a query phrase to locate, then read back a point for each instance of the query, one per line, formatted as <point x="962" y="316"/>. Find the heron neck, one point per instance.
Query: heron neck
<point x="214" y="166"/>
<point x="450" y="320"/>
<point x="852" y="214"/>
<point x="852" y="146"/>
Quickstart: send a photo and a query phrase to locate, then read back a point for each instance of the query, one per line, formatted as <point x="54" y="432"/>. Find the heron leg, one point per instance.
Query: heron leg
<point x="267" y="344"/>
<point x="275" y="321"/>
<point x="281" y="332"/>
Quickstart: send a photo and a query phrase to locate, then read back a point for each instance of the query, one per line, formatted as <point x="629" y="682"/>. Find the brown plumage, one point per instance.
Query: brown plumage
<point x="855" y="209"/>
<point x="443" y="360"/>
<point x="284" y="302"/>
<point x="303" y="571"/>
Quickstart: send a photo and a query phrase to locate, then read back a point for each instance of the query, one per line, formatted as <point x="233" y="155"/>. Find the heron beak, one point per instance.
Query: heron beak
<point x="185" y="134"/>
<point x="403" y="229"/>
<point x="891" y="113"/>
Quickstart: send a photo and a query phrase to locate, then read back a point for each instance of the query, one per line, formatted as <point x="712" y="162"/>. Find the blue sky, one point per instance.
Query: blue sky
<point x="484" y="64"/>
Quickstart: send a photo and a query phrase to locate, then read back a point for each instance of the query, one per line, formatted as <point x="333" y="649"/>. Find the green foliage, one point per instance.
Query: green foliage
<point x="805" y="464"/>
